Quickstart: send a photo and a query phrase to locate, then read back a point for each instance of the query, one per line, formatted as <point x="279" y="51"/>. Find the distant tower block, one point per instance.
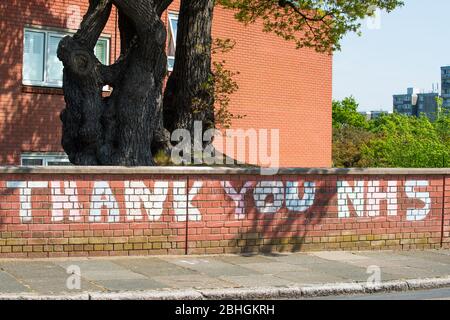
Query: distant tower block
<point x="406" y="103"/>
<point x="445" y="86"/>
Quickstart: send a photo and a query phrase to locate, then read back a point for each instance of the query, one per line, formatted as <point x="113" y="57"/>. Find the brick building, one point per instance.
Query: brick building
<point x="280" y="87"/>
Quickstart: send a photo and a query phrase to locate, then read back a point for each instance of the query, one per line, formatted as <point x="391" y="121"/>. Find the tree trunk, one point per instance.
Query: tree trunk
<point x="123" y="128"/>
<point x="130" y="126"/>
<point x="189" y="84"/>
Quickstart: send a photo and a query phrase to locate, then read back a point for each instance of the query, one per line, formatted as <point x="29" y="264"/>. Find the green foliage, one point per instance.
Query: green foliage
<point x="220" y="85"/>
<point x="390" y="141"/>
<point x="318" y="24"/>
<point x="348" y="142"/>
<point x="345" y="113"/>
<point x="162" y="159"/>
<point x="408" y="142"/>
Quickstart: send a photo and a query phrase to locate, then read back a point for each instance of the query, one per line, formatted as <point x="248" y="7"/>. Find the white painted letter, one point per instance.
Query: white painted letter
<point x="355" y="195"/>
<point x="180" y="196"/>
<point x="102" y="197"/>
<point x="237" y="197"/>
<point x="137" y="194"/>
<point x="293" y="202"/>
<point x="375" y="196"/>
<point x="263" y="190"/>
<point x="67" y="200"/>
<point x="410" y="189"/>
<point x="25" y="196"/>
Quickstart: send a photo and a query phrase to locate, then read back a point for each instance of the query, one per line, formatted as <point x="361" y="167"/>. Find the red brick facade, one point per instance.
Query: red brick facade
<point x="92" y="212"/>
<point x="280" y="87"/>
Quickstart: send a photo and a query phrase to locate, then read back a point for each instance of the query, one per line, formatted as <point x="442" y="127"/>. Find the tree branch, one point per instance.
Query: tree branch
<point x="112" y="73"/>
<point x="162" y="6"/>
<point x="94" y="22"/>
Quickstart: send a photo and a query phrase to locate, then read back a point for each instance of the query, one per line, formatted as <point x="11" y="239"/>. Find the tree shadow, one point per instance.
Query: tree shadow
<point x="29" y="116"/>
<point x="288" y="231"/>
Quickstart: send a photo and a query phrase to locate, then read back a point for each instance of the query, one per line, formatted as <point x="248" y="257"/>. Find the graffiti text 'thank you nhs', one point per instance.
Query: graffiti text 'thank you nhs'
<point x="358" y="198"/>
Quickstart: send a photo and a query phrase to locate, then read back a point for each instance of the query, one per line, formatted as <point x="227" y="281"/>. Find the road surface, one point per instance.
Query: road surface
<point x="437" y="294"/>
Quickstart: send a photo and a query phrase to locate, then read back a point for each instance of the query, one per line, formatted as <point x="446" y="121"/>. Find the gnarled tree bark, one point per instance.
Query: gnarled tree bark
<point x="127" y="128"/>
<point x="192" y="69"/>
<point x="119" y="129"/>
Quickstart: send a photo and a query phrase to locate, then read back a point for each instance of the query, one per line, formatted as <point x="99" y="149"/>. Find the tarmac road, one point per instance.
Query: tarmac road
<point x="436" y="294"/>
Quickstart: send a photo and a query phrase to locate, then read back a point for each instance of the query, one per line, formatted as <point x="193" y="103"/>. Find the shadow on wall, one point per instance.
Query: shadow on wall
<point x="287" y="229"/>
<point x="29" y="117"/>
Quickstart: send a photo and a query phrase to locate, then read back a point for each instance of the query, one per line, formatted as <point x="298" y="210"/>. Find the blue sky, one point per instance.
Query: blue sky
<point x="407" y="50"/>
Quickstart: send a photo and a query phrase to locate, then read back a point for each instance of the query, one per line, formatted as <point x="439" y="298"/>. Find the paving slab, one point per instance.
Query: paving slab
<point x="274" y="267"/>
<point x="342" y="270"/>
<point x="245" y="259"/>
<point x="391" y="255"/>
<point x="9" y="284"/>
<point x="130" y="285"/>
<point x="301" y="259"/>
<point x="405" y="272"/>
<point x="257" y="281"/>
<point x="197" y="281"/>
<point x="444" y="252"/>
<point x="211" y="266"/>
<point x="30" y="269"/>
<point x="153" y="267"/>
<point x="101" y="270"/>
<point x="309" y="277"/>
<point x="45" y="277"/>
<point x="91" y="265"/>
<point x="342" y="256"/>
<point x="429" y="256"/>
<point x="382" y="263"/>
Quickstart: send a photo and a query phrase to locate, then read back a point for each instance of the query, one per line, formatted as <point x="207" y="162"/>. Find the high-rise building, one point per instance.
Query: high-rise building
<point x="406" y="103"/>
<point x="415" y="104"/>
<point x="427" y="105"/>
<point x="445" y="85"/>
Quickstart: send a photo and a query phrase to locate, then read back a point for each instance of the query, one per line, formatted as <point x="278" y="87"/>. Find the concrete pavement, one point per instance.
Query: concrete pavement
<point x="199" y="277"/>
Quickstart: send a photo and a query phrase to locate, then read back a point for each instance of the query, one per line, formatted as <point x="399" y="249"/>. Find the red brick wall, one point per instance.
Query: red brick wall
<point x="29" y="116"/>
<point x="446" y="223"/>
<point x="80" y="213"/>
<point x="280" y="87"/>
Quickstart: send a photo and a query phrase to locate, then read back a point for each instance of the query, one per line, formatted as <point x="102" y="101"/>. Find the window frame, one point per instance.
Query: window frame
<point x="170" y="17"/>
<point x="46" y="158"/>
<point x="47" y="34"/>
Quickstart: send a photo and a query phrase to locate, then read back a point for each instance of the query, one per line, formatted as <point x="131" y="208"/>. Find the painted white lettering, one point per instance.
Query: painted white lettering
<point x="25" y="196"/>
<point x="102" y="197"/>
<point x="350" y="195"/>
<point x="137" y="195"/>
<point x="263" y="190"/>
<point x="65" y="200"/>
<point x="375" y="197"/>
<point x="181" y="196"/>
<point x="237" y="197"/>
<point x="411" y="192"/>
<point x="293" y="202"/>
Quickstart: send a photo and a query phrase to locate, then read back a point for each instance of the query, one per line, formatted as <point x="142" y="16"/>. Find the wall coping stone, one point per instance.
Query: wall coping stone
<point x="213" y="171"/>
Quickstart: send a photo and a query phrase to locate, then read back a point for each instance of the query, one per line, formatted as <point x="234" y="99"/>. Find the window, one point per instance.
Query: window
<point x="173" y="28"/>
<point x="41" y="65"/>
<point x="45" y="159"/>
